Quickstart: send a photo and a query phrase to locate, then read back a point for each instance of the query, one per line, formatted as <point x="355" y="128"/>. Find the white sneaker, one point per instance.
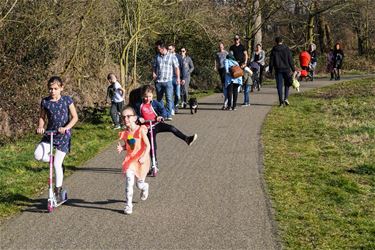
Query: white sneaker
<point x="144" y="192"/>
<point x="172" y="113"/>
<point x="128" y="209"/>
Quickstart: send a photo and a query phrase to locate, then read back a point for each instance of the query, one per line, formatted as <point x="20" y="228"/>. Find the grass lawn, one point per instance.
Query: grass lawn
<point x="22" y="178"/>
<point x="320" y="167"/>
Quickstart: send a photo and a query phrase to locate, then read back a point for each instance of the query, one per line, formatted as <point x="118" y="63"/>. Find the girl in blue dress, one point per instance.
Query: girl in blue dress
<point x="60" y="114"/>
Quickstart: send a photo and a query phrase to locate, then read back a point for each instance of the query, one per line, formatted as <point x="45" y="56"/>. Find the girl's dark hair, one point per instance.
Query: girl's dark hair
<point x="55" y="79"/>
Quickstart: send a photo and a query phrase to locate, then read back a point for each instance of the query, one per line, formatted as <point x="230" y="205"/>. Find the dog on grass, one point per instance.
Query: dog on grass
<point x="193" y="104"/>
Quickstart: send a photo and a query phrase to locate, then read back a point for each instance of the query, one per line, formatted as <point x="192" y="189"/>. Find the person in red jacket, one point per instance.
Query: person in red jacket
<point x="304" y="60"/>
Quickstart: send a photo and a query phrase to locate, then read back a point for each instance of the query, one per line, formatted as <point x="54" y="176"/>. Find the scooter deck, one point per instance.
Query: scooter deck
<point x="59" y="204"/>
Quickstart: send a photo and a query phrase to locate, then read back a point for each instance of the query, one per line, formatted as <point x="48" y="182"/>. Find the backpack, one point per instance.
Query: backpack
<point x="236" y="71"/>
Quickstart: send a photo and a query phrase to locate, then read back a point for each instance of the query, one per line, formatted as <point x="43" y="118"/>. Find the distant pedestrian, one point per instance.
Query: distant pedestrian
<point x="239" y="52"/>
<point x="137" y="159"/>
<point x="60" y="114"/>
<point x="117" y="95"/>
<point x="176" y="85"/>
<point x="163" y="67"/>
<point x="281" y="63"/>
<point x="338" y="57"/>
<point x="188" y="68"/>
<point x="232" y="84"/>
<point x="314" y="60"/>
<point x="220" y="57"/>
<point x="259" y="56"/>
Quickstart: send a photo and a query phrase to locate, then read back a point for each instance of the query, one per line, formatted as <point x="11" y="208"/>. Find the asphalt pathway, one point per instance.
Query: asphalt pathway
<point x="210" y="195"/>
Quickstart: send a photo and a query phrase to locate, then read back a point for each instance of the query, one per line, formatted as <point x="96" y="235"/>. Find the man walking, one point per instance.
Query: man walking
<point x="239" y="51"/>
<point x="164" y="64"/>
<point x="282" y="63"/>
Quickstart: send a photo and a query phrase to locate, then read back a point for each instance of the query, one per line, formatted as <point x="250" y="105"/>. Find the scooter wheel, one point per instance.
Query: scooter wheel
<point x="50" y="207"/>
<point x="154" y="172"/>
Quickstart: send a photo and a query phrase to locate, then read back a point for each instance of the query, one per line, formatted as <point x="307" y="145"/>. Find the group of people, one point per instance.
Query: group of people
<point x="171" y="75"/>
<point x="280" y="63"/>
<point x="250" y="78"/>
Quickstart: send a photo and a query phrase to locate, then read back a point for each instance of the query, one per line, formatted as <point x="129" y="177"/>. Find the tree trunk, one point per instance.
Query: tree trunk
<point x="257" y="23"/>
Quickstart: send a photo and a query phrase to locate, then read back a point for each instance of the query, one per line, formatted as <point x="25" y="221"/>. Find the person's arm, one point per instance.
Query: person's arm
<point x="270" y="66"/>
<point x="154" y="68"/>
<point x="262" y="57"/>
<point x="73" y="120"/>
<point x="191" y="66"/>
<point x="41" y="121"/>
<point x="246" y="57"/>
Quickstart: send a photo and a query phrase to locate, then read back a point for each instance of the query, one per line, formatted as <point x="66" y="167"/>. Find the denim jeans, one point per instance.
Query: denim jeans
<point x="176" y="92"/>
<point x="167" y="88"/>
<point x="116" y="108"/>
<point x="282" y="78"/>
<point x="246" y="94"/>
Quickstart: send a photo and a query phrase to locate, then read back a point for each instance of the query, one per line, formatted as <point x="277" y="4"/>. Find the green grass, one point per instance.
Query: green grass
<point x="22" y="178"/>
<point x="320" y="167"/>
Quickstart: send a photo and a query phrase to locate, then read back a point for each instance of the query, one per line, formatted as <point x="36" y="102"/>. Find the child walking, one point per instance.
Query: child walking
<point x="152" y="110"/>
<point x="137" y="160"/>
<point x="61" y="115"/>
<point x="117" y="95"/>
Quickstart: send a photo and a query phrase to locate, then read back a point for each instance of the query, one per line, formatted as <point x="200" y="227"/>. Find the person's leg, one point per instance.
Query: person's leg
<point x="162" y="127"/>
<point x="114" y="114"/>
<point x="120" y="105"/>
<point x="279" y="86"/>
<point x="41" y="152"/>
<point x="222" y="76"/>
<point x="261" y="74"/>
<point x="169" y="97"/>
<point x="129" y="191"/>
<point x="230" y="94"/>
<point x="186" y="87"/>
<point x="246" y="94"/>
<point x="287" y="79"/>
<point x="177" y="97"/>
<point x="235" y="95"/>
<point x="159" y="91"/>
<point x="225" y="94"/>
<point x="143" y="186"/>
<point x="59" y="174"/>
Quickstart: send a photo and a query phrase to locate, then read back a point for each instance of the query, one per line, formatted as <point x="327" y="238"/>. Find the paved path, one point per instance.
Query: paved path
<point x="207" y="196"/>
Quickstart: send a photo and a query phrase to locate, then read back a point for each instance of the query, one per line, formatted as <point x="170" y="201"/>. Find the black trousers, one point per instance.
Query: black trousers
<point x="162" y="127"/>
<point x="232" y="94"/>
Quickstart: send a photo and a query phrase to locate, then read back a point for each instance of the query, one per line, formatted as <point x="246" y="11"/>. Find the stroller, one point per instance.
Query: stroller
<point x="255" y="68"/>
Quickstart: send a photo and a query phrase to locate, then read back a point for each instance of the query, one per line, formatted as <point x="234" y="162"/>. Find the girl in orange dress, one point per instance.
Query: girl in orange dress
<point x="137" y="160"/>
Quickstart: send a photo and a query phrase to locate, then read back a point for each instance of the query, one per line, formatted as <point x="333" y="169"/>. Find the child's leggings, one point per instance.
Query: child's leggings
<point x="141" y="184"/>
<point x="42" y="154"/>
<point x="162" y="127"/>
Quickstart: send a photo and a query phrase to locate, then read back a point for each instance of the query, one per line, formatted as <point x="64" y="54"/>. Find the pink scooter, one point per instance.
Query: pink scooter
<point x="154" y="169"/>
<point x="52" y="202"/>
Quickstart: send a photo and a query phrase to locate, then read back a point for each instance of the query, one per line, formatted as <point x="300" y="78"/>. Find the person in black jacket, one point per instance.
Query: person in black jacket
<point x="282" y="64"/>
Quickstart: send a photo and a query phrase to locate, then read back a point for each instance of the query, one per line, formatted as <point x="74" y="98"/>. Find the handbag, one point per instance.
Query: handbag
<point x="236" y="71"/>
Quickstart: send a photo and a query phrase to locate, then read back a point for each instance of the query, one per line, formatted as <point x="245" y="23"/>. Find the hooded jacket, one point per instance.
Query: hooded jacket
<point x="281" y="59"/>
